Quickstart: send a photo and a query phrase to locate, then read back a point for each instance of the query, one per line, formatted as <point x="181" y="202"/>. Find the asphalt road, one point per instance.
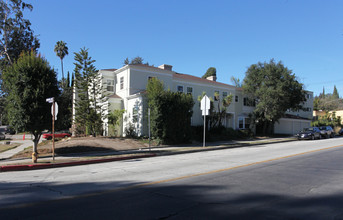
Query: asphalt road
<point x="294" y="180"/>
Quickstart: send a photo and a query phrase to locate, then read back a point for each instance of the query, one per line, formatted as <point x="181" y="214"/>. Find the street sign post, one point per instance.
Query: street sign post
<point x="149" y="129"/>
<point x="54" y="111"/>
<point x="205" y="105"/>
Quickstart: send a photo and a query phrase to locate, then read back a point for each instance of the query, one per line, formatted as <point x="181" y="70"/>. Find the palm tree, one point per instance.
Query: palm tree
<point x="61" y="51"/>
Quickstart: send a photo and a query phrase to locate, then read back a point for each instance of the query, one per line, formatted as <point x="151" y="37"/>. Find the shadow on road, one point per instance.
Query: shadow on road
<point x="162" y="201"/>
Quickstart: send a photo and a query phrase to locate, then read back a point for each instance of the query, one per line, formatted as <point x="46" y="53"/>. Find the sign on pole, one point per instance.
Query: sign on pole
<point x="56" y="110"/>
<point x="50" y="100"/>
<point x="205" y="106"/>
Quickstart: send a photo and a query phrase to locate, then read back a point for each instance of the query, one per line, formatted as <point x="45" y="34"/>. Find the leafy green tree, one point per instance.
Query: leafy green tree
<point x="154" y="89"/>
<point x="236" y="81"/>
<point x="316" y="103"/>
<point x="16" y="34"/>
<point x="217" y="109"/>
<point x="61" y="51"/>
<point x="328" y="102"/>
<point x="322" y="95"/>
<point x="275" y="89"/>
<point x="90" y="111"/>
<point x="68" y="80"/>
<point x="212" y="71"/>
<point x="335" y="94"/>
<point x="72" y="80"/>
<point x="65" y="109"/>
<point x="29" y="81"/>
<point x="115" y="118"/>
<point x="170" y="113"/>
<point x="135" y="60"/>
<point x="329" y="119"/>
<point x="126" y="61"/>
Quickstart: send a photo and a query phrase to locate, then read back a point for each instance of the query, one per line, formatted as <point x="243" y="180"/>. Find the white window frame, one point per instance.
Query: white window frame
<point x="121" y="81"/>
<point x="214" y="95"/>
<point x="226" y="94"/>
<point x="110" y="83"/>
<point x="240" y="119"/>
<point x="178" y="88"/>
<point x="191" y="92"/>
<point x="243" y="120"/>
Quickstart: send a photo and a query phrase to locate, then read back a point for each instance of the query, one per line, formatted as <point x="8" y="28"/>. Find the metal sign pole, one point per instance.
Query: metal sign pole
<point x="149" y="127"/>
<point x="204" y="126"/>
<point x="205" y="107"/>
<point x="53" y="129"/>
<point x="204" y="129"/>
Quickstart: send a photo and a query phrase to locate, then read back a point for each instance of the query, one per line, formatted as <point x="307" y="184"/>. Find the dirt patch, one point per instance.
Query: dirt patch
<point x="84" y="144"/>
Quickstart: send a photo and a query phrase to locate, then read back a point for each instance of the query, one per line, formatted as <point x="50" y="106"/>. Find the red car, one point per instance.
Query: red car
<point x="58" y="134"/>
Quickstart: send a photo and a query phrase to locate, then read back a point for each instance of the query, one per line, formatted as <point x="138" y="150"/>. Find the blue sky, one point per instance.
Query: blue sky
<point x="306" y="35"/>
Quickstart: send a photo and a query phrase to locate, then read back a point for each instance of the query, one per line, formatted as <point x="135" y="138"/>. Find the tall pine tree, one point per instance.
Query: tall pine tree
<point x="335" y="94"/>
<point x="89" y="88"/>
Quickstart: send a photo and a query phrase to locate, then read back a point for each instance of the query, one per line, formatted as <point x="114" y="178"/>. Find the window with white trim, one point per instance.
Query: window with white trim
<point x="244" y="122"/>
<point x="135" y="114"/>
<point x="189" y="90"/>
<point x="247" y="122"/>
<point x="249" y="102"/>
<point x="216" y="95"/>
<point x="241" y="123"/>
<point x="122" y="82"/>
<point x="110" y="85"/>
<point x="180" y="88"/>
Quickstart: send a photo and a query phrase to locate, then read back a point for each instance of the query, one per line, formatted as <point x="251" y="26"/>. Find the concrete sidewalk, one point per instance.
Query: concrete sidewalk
<point x="99" y="157"/>
<point x="23" y="144"/>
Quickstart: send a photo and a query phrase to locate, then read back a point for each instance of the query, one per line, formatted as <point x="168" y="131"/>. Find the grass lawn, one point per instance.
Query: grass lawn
<point x="5" y="147"/>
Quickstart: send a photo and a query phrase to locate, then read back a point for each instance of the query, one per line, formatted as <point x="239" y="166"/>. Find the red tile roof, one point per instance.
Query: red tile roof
<point x="198" y="79"/>
<point x="294" y="117"/>
<point x="148" y="66"/>
<point x="109" y="69"/>
<point x="115" y="96"/>
<point x="184" y="76"/>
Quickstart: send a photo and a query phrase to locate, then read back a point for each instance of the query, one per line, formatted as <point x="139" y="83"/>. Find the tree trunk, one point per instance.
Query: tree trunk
<point x="35" y="147"/>
<point x="62" y="71"/>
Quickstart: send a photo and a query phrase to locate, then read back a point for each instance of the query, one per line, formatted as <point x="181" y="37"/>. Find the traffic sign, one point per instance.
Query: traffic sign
<point x="56" y="110"/>
<point x="205" y="105"/>
<point x="50" y="100"/>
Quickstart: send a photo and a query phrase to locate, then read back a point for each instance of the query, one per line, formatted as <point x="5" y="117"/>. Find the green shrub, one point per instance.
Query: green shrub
<point x="329" y="119"/>
<point x="170" y="114"/>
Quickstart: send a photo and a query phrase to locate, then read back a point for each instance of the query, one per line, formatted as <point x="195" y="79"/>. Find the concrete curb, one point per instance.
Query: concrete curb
<point x="221" y="147"/>
<point x="7" y="168"/>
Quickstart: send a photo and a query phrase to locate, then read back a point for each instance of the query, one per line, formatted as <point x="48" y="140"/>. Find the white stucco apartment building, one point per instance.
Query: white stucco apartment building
<point x="126" y="89"/>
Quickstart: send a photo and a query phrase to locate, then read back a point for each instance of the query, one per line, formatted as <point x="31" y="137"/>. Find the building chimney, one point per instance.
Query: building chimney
<point x="166" y="67"/>
<point x="212" y="78"/>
